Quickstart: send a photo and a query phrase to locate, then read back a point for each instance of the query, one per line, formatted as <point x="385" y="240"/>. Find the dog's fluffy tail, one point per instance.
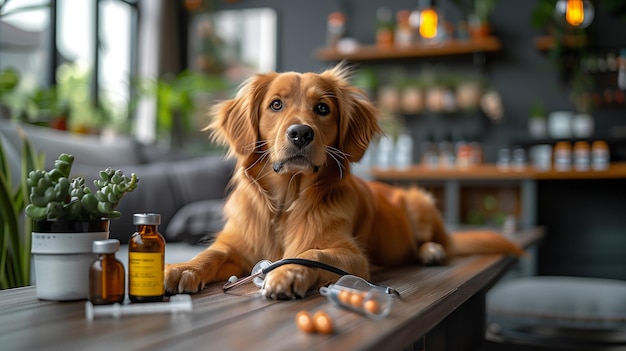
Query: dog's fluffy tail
<point x="482" y="242"/>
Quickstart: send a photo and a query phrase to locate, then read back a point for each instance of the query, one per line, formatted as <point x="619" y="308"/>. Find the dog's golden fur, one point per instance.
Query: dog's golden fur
<point x="294" y="136"/>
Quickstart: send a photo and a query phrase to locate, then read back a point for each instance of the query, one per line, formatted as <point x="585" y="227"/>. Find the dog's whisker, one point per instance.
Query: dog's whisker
<point x="293" y="176"/>
<point x="341" y="167"/>
<point x="338" y="152"/>
<point x="256" y="145"/>
<point x="337" y="155"/>
<point x="264" y="154"/>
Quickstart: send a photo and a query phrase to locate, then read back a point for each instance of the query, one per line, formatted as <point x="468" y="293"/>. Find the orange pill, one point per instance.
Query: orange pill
<point x="305" y="322"/>
<point x="323" y="322"/>
<point x="356" y="300"/>
<point x="372" y="306"/>
<point x="344" y="296"/>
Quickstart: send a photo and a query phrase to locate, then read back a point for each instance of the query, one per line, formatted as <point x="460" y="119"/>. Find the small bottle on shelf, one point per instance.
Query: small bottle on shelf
<point x="428" y="154"/>
<point x="336" y="27"/>
<point x="518" y="158"/>
<point x="146" y="260"/>
<point x="504" y="159"/>
<point x="562" y="156"/>
<point x="384" y="152"/>
<point x="404" y="32"/>
<point x="600" y="155"/>
<point x="581" y="156"/>
<point x="446" y="153"/>
<point x="106" y="274"/>
<point x="404" y="150"/>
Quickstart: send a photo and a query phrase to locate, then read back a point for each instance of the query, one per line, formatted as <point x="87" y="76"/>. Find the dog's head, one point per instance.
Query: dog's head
<point x="297" y="122"/>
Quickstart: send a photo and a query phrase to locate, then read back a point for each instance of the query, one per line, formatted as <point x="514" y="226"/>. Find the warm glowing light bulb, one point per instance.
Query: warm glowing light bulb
<point x="428" y="23"/>
<point x="574" y="13"/>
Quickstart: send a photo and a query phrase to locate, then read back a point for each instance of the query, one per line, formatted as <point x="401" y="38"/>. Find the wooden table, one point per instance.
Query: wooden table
<point x="442" y="308"/>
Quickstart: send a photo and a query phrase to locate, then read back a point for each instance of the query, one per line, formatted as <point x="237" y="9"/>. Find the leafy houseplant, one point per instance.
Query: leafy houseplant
<point x="178" y="102"/>
<point x="15" y="243"/>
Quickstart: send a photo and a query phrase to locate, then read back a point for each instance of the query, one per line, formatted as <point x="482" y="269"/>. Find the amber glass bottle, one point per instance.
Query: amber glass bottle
<point x="106" y="274"/>
<point x="146" y="257"/>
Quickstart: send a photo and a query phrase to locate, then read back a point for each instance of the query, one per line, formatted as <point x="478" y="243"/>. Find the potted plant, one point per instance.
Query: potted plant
<point x="478" y="24"/>
<point x="15" y="233"/>
<point x="67" y="217"/>
<point x="537" y="123"/>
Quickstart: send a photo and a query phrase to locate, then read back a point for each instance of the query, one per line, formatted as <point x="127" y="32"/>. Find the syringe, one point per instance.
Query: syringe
<point x="177" y="303"/>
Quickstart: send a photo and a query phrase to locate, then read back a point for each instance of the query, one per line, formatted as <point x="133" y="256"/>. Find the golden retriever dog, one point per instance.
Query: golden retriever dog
<point x="294" y="136"/>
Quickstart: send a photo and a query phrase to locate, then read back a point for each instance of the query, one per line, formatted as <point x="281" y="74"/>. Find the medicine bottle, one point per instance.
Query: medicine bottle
<point x="106" y="274"/>
<point x="146" y="260"/>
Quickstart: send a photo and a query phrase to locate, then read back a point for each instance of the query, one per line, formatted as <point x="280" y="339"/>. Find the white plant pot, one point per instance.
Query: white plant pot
<point x="560" y="124"/>
<point x="582" y="125"/>
<point x="62" y="257"/>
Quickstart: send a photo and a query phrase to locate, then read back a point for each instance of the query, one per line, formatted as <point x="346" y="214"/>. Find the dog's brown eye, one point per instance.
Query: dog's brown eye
<point x="322" y="109"/>
<point x="276" y="105"/>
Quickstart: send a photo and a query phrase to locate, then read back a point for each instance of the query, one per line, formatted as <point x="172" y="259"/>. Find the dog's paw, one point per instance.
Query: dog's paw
<point x="182" y="278"/>
<point x="288" y="282"/>
<point x="431" y="253"/>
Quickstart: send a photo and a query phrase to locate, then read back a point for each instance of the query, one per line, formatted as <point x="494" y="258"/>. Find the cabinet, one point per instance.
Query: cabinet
<point x="516" y="190"/>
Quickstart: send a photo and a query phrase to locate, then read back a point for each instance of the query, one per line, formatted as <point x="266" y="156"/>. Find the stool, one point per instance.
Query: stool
<point x="553" y="312"/>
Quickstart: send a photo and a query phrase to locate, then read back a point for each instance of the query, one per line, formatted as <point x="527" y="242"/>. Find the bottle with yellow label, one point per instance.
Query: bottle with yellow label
<point x="146" y="260"/>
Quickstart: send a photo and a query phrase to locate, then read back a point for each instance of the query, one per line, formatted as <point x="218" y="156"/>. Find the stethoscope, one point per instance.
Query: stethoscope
<point x="260" y="270"/>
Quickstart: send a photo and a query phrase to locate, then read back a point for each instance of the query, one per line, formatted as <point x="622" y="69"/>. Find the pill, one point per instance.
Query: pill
<point x="323" y="323"/>
<point x="356" y="300"/>
<point x="372" y="306"/>
<point x="344" y="296"/>
<point x="304" y="321"/>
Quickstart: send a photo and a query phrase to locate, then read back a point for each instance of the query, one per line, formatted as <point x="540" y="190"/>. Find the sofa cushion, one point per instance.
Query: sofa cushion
<point x="166" y="187"/>
<point x="196" y="222"/>
<point x="561" y="302"/>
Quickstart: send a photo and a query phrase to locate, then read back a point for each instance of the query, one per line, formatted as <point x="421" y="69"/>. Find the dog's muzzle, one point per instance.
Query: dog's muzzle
<point x="300" y="136"/>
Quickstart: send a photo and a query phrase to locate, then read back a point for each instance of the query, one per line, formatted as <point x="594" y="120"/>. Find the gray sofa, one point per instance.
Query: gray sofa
<point x="187" y="192"/>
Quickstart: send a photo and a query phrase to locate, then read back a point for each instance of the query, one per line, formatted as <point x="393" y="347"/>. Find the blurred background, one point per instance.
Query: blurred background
<point x="486" y="84"/>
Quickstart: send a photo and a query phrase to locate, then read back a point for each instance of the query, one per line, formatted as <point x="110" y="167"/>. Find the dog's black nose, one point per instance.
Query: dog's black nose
<point x="300" y="134"/>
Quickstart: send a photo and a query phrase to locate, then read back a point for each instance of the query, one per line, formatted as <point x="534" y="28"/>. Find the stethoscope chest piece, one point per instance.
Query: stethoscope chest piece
<point x="257" y="272"/>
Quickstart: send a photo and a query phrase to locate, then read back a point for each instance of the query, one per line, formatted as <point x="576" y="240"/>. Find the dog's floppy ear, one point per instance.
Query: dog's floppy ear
<point x="358" y="123"/>
<point x="235" y="123"/>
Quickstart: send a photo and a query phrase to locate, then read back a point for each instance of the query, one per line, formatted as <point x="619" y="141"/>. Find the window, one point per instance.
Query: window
<point x="90" y="46"/>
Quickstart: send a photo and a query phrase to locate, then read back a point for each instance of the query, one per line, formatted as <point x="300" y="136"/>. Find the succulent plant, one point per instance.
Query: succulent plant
<point x="53" y="196"/>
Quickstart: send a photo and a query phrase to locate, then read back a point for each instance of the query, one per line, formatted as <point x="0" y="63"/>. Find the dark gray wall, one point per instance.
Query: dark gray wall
<point x="586" y="226"/>
<point x="520" y="72"/>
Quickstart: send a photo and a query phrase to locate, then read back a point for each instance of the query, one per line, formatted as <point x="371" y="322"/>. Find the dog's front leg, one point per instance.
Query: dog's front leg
<point x="293" y="281"/>
<point x="218" y="262"/>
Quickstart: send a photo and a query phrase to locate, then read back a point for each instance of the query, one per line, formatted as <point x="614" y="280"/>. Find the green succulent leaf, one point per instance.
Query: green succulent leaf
<point x="105" y="208"/>
<point x="90" y="203"/>
<point x="36" y="213"/>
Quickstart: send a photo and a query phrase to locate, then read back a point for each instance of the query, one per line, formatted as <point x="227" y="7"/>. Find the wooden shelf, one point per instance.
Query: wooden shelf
<point x="491" y="172"/>
<point x="449" y="47"/>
